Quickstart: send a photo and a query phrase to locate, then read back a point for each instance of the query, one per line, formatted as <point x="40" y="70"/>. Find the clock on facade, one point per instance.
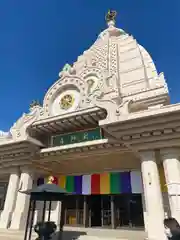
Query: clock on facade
<point x="65" y="102"/>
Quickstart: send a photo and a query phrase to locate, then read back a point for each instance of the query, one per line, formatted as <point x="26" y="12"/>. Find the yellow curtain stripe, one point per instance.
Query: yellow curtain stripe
<point x="62" y="181"/>
<point x="105" y="183"/>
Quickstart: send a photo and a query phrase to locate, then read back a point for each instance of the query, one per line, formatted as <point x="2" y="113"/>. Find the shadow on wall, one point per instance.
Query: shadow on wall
<point x="167" y="210"/>
<point x="68" y="235"/>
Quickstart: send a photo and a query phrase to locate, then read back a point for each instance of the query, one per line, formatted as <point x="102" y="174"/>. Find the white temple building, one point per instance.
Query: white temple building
<point x="107" y="132"/>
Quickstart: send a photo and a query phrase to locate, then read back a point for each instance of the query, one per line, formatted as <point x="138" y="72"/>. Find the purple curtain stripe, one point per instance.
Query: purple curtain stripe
<point x="125" y="182"/>
<point x="40" y="181"/>
<point x="78" y="184"/>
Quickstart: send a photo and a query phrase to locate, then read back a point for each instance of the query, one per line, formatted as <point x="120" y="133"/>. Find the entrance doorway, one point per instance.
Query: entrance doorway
<point x="128" y="210"/>
<point x="136" y="210"/>
<point x="107" y="211"/>
<point x="94" y="205"/>
<point x="74" y="205"/>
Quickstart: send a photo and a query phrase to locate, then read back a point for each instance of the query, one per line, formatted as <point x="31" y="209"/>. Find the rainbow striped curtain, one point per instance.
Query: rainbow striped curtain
<point x="104" y="183"/>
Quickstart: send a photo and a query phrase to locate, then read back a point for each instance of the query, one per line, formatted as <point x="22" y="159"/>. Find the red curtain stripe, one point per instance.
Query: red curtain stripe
<point x="95" y="184"/>
<point x="55" y="181"/>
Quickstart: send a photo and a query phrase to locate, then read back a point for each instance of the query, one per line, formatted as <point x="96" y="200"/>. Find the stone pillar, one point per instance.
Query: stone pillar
<point x="10" y="200"/>
<point x="171" y="166"/>
<point x="153" y="196"/>
<point x="22" y="203"/>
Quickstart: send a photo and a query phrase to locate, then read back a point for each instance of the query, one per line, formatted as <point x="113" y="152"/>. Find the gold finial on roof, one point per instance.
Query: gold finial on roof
<point x="111" y="16"/>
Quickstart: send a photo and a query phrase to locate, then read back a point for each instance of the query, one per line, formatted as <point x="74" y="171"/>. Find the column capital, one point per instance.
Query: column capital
<point x="26" y="169"/>
<point x="169" y="153"/>
<point x="147" y="155"/>
<point x="15" y="170"/>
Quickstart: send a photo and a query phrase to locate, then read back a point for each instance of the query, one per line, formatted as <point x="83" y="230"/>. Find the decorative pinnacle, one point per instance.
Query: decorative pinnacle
<point x="34" y="103"/>
<point x="111" y="17"/>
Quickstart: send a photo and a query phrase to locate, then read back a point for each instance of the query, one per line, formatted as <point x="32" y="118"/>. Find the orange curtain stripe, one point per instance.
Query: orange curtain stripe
<point x="105" y="183"/>
<point x="62" y="181"/>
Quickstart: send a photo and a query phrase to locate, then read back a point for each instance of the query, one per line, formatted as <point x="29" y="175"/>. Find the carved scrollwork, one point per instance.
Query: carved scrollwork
<point x="105" y="95"/>
<point x="106" y="91"/>
<point x="124" y="107"/>
<point x="18" y="130"/>
<point x="67" y="70"/>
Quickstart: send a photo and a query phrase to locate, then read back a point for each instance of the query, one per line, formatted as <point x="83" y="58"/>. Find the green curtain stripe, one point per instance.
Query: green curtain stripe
<point x="115" y="183"/>
<point x="70" y="184"/>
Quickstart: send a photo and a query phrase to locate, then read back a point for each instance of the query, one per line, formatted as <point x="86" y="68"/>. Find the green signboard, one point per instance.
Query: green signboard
<point x="77" y="137"/>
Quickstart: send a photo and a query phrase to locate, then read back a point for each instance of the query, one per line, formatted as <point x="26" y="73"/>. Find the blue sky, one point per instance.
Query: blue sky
<point x="38" y="37"/>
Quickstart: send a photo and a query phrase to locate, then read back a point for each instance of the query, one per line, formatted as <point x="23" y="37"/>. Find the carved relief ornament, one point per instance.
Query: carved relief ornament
<point x="18" y="130"/>
<point x="66" y="82"/>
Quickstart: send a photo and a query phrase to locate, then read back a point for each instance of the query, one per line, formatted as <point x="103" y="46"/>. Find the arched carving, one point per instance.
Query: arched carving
<point x="66" y="82"/>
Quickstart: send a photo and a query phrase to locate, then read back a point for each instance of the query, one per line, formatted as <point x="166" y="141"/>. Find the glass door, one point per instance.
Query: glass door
<point x="122" y="210"/>
<point x="106" y="210"/>
<point x="136" y="210"/>
<point x="74" y="206"/>
<point x="79" y="210"/>
<point x="94" y="210"/>
<point x="128" y="210"/>
<point x="70" y="210"/>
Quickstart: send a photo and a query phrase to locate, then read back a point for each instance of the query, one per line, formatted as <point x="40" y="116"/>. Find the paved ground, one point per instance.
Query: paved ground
<point x="81" y="234"/>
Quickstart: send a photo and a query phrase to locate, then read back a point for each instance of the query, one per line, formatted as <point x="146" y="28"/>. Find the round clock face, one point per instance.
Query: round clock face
<point x="66" y="102"/>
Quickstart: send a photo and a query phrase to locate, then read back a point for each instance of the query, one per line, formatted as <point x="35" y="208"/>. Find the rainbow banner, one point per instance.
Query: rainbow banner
<point x="103" y="183"/>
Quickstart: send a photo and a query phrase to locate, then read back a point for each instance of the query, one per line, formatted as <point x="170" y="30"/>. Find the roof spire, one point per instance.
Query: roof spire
<point x="111" y="17"/>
